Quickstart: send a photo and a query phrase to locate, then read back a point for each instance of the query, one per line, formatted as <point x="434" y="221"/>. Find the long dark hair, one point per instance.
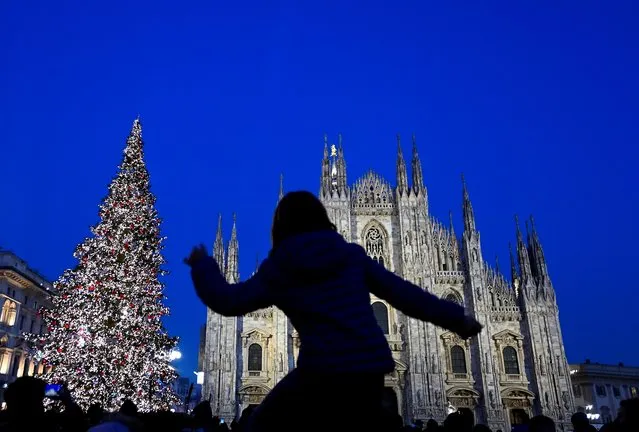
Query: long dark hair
<point x="299" y="212"/>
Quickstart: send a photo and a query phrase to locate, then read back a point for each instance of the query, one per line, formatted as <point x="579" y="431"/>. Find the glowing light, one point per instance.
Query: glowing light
<point x="200" y="377"/>
<point x="175" y="355"/>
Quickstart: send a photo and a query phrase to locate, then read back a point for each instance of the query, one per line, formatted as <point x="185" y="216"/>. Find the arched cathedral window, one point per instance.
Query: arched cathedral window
<point x="511" y="362"/>
<point x="381" y="315"/>
<point x="458" y="360"/>
<point x="255" y="357"/>
<point x="453" y="298"/>
<point x="374" y="241"/>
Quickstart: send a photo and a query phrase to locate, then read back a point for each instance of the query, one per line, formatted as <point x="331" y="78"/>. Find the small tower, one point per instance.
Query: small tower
<point x="218" y="246"/>
<point x="232" y="267"/>
<point x="418" y="176"/>
<point x="325" y="179"/>
<point x="281" y="194"/>
<point x="402" y="178"/>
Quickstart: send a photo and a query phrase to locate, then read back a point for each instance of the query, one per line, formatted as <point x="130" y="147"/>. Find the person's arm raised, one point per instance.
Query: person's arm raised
<point x="222" y="297"/>
<point x="417" y="303"/>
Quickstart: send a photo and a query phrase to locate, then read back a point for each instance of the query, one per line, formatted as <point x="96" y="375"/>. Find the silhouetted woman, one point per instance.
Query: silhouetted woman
<point x="323" y="284"/>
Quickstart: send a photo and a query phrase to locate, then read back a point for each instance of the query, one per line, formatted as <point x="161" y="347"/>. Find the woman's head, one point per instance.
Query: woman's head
<point x="298" y="212"/>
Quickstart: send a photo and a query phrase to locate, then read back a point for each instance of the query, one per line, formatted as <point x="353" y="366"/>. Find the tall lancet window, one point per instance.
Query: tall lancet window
<point x="374" y="241"/>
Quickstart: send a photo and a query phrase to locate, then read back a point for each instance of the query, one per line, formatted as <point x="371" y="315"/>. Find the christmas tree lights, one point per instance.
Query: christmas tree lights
<point x="105" y="338"/>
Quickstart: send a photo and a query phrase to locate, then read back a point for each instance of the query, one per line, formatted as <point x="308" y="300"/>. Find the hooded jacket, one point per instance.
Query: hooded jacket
<point x="323" y="284"/>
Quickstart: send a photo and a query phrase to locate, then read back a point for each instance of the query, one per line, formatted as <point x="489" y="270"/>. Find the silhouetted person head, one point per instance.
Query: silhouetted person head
<point x="458" y="422"/>
<point x="128" y="408"/>
<point x="95" y="414"/>
<point x="297" y="213"/>
<point x="579" y="421"/>
<point x="202" y="413"/>
<point x="541" y="423"/>
<point x="25" y="395"/>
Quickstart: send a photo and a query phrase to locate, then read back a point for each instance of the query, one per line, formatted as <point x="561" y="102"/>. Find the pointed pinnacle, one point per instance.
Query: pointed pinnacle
<point x="414" y="145"/>
<point x="450" y="217"/>
<point x="399" y="145"/>
<point x="339" y="141"/>
<point x="497" y="264"/>
<point x="234" y="230"/>
<point x="281" y="185"/>
<point x="532" y="224"/>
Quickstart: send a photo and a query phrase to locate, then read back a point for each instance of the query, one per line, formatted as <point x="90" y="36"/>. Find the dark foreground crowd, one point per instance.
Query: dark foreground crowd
<point x="25" y="412"/>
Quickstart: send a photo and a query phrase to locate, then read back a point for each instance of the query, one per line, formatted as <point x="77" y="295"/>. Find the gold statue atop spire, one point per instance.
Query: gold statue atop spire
<point x="333" y="150"/>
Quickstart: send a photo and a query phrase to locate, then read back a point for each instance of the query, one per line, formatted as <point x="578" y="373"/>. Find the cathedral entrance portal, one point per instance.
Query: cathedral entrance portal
<point x="518" y="416"/>
<point x="389" y="401"/>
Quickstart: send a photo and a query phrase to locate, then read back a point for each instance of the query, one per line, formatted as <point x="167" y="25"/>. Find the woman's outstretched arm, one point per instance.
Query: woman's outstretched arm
<point x="417" y="303"/>
<point x="219" y="295"/>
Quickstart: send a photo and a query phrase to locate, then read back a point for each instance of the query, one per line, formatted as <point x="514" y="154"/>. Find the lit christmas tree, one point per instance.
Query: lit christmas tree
<point x="105" y="335"/>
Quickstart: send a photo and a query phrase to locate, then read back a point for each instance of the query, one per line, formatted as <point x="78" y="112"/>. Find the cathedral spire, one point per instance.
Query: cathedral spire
<point x="469" y="214"/>
<point x="232" y="268"/>
<point x="537" y="254"/>
<point x="340" y="165"/>
<point x="218" y="246"/>
<point x="522" y="252"/>
<point x="418" y="176"/>
<point x="497" y="270"/>
<point x="281" y="187"/>
<point x="513" y="267"/>
<point x="452" y="226"/>
<point x="402" y="177"/>
<point x="325" y="179"/>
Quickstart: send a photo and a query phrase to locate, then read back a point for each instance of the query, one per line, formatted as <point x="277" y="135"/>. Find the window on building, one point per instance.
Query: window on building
<point x="5" y="359"/>
<point x="453" y="298"/>
<point x="577" y="390"/>
<point x="511" y="362"/>
<point x="31" y="327"/>
<point x="9" y="311"/>
<point x="601" y="390"/>
<point x="22" y="322"/>
<point x="458" y="360"/>
<point x="16" y="365"/>
<point x="255" y="357"/>
<point x="374" y="243"/>
<point x="615" y="391"/>
<point x="26" y="300"/>
<point x="381" y="315"/>
<point x="634" y="392"/>
<point x="35" y="305"/>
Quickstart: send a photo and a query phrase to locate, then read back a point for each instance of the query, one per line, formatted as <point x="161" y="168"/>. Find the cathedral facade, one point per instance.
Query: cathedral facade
<point x="515" y="369"/>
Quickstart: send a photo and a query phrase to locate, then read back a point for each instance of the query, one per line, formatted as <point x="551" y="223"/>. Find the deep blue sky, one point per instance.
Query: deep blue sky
<point x="536" y="104"/>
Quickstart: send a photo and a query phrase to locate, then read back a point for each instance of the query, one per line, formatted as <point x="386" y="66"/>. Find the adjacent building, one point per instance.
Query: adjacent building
<point x="515" y="369"/>
<point x="600" y="388"/>
<point x="23" y="291"/>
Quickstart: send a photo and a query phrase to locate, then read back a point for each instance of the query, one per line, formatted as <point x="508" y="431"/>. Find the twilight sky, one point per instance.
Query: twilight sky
<point x="536" y="102"/>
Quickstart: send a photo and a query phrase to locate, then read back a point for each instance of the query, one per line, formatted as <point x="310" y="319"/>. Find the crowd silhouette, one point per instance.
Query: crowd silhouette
<point x="323" y="284"/>
<point x="25" y="412"/>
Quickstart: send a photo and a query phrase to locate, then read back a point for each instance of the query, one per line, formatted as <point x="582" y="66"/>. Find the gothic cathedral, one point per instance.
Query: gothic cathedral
<point x="515" y="369"/>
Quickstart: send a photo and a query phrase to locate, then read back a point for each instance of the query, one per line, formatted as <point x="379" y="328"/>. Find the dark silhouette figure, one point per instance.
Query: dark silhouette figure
<point x="95" y="414"/>
<point x="458" y="422"/>
<point x="581" y="424"/>
<point x="432" y="426"/>
<point x="323" y="284"/>
<point x="203" y="417"/>
<point x="25" y="410"/>
<point x="481" y="428"/>
<point x="541" y="423"/>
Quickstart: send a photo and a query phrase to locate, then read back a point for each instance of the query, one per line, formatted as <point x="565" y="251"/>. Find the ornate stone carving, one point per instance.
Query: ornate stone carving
<point x="262" y="313"/>
<point x="372" y="192"/>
